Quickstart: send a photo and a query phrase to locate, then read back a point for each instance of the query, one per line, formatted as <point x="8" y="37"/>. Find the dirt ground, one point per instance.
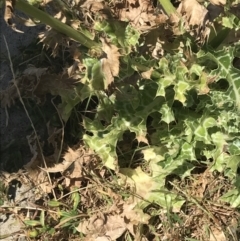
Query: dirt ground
<point x="14" y="125"/>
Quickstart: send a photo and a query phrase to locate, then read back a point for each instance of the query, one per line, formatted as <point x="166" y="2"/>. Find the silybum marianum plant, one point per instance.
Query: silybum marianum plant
<point x="169" y="82"/>
<point x="189" y="99"/>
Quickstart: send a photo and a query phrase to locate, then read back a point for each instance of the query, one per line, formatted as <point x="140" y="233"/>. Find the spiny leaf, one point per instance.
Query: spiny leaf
<point x="167" y="114"/>
<point x="225" y="70"/>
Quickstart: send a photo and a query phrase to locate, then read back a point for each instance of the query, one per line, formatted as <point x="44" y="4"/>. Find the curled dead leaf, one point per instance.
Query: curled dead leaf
<point x="11" y="19"/>
<point x="9" y="15"/>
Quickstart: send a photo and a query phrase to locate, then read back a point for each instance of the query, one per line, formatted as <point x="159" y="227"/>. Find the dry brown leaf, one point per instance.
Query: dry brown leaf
<point x="140" y="183"/>
<point x="102" y="226"/>
<point x="158" y="51"/>
<point x="110" y="64"/>
<point x="70" y="157"/>
<point x="6" y="177"/>
<point x="72" y="166"/>
<point x="217" y="235"/>
<point x="12" y="19"/>
<point x="71" y="71"/>
<point x="73" y="175"/>
<point x="142" y="138"/>
<point x="75" y="51"/>
<point x="98" y="226"/>
<point x="108" y="77"/>
<point x="161" y="19"/>
<point x="194" y="12"/>
<point x="139" y="13"/>
<point x="53" y="39"/>
<point x="135" y="216"/>
<point x="9" y="15"/>
<point x="26" y="22"/>
<point x="33" y="168"/>
<point x="60" y="16"/>
<point x="93" y="5"/>
<point x="55" y="138"/>
<point x="233" y="227"/>
<point x="147" y="74"/>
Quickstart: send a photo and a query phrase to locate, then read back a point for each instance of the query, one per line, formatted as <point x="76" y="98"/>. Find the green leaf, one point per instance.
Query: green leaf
<point x="54" y="203"/>
<point x="231" y="21"/>
<point x="42" y="218"/>
<point x="196" y="69"/>
<point x="68" y="214"/>
<point x="97" y="79"/>
<point x="187" y="152"/>
<point x="234" y="148"/>
<point x="167" y="113"/>
<point x="209" y="122"/>
<point x="153" y="156"/>
<point x="219" y="139"/>
<point x="225" y="70"/>
<point x="163" y="83"/>
<point x="105" y="109"/>
<point x="71" y="98"/>
<point x="32" y="223"/>
<point x="180" y="91"/>
<point x="232" y="197"/>
<point x="75" y="199"/>
<point x="131" y="36"/>
<point x="232" y="164"/>
<point x="202" y="135"/>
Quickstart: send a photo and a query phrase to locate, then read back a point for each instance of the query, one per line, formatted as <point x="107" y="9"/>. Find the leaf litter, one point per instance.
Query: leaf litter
<point x="80" y="167"/>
